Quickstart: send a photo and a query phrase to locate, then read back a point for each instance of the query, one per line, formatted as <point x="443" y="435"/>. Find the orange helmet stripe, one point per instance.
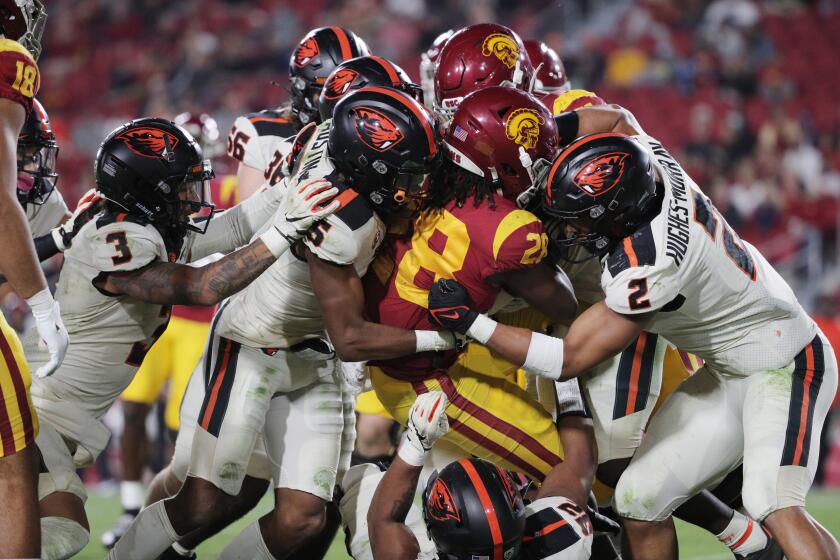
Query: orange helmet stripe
<point x="487" y="504"/>
<point x="389" y="68"/>
<point x="412" y="106"/>
<point x="344" y="42"/>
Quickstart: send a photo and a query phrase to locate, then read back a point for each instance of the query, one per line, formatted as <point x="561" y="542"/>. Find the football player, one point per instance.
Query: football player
<point x="269" y="341"/>
<point x="120" y="277"/>
<point x="21" y="26"/>
<point x="471" y="509"/>
<point x="261" y="141"/>
<point x="673" y="266"/>
<point x="174" y="355"/>
<point x="472" y="229"/>
<point x="478" y="56"/>
<point x="428" y="63"/>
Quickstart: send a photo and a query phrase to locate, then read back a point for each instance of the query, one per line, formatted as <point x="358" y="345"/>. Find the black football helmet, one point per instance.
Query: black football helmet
<point x="602" y="187"/>
<point x="473" y="509"/>
<point x="315" y="57"/>
<point x="23" y="21"/>
<point x="385" y="143"/>
<point x="37" y="152"/>
<point x="155" y="171"/>
<point x="361" y="72"/>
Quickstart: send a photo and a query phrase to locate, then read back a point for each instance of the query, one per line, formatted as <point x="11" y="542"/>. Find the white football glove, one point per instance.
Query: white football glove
<point x="355" y="375"/>
<point x="304" y="204"/>
<point x="89" y="205"/>
<point x="50" y="329"/>
<point x="427" y="423"/>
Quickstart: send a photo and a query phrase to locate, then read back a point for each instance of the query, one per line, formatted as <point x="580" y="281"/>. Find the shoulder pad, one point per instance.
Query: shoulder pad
<point x="519" y="241"/>
<point x="120" y="245"/>
<point x="637" y="250"/>
<point x="20" y="78"/>
<point x="351" y="233"/>
<point x="271" y="123"/>
<point x="642" y="288"/>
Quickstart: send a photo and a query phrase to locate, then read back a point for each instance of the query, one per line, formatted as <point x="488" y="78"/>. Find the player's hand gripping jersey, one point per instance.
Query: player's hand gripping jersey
<point x="279" y="309"/>
<point x="470" y="244"/>
<point x="716" y="295"/>
<point x="263" y="141"/>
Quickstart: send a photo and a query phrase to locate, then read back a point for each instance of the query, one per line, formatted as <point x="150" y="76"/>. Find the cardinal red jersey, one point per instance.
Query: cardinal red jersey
<point x="225" y="194"/>
<point x="19" y="76"/>
<point x="470" y="244"/>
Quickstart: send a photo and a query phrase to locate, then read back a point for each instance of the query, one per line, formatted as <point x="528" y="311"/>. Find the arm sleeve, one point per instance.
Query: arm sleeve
<point x="20" y="78"/>
<point x="123" y="246"/>
<point x="641" y="289"/>
<point x="236" y="226"/>
<point x="519" y="242"/>
<point x="45" y="247"/>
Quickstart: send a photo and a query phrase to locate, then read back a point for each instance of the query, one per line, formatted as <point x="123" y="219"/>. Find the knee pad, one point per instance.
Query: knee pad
<point x="639" y="498"/>
<point x="61" y="538"/>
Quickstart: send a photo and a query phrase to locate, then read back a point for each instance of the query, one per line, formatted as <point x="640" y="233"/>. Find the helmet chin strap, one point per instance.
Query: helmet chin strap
<point x="533" y="83"/>
<point x="518" y="74"/>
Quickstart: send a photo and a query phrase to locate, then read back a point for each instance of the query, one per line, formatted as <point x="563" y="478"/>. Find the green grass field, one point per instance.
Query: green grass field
<point x="694" y="543"/>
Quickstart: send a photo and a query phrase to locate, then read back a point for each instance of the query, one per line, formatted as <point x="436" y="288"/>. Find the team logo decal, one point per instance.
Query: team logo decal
<point x="523" y="127"/>
<point x="306" y="51"/>
<point x="339" y="83"/>
<point x="376" y="130"/>
<point x="150" y="142"/>
<point x="601" y="174"/>
<point x="440" y="505"/>
<point x="502" y="47"/>
<point x="508" y="484"/>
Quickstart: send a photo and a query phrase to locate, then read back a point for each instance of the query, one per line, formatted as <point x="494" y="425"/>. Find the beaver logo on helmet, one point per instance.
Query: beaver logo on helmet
<point x="150" y="142"/>
<point x="502" y="47"/>
<point x="339" y="83"/>
<point x="523" y="127"/>
<point x="375" y="129"/>
<point x="440" y="505"/>
<point x="306" y="51"/>
<point x="601" y="174"/>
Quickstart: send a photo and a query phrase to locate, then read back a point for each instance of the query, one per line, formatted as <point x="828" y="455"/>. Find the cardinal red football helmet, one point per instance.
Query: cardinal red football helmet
<point x="504" y="135"/>
<point x="476" y="57"/>
<point x="428" y="62"/>
<point x="550" y="74"/>
<point x="23" y="21"/>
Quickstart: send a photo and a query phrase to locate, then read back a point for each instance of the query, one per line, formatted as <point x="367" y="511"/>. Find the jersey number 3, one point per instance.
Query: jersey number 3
<point x="121" y="245"/>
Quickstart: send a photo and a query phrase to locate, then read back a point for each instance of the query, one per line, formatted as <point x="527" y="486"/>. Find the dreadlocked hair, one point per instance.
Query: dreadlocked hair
<point x="451" y="182"/>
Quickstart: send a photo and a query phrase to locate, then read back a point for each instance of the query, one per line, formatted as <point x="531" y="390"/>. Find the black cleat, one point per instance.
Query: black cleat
<point x="770" y="552"/>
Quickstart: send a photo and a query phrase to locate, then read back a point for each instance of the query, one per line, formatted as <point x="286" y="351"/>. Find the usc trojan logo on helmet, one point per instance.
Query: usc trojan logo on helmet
<point x="503" y="47"/>
<point x="440" y="505"/>
<point x="339" y="83"/>
<point x="150" y="142"/>
<point x="523" y="127"/>
<point x="601" y="174"/>
<point x="376" y="129"/>
<point x="306" y="51"/>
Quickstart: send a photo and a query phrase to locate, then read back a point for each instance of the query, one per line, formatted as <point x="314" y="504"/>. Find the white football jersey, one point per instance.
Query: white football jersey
<point x="263" y="141"/>
<point x="357" y="490"/>
<point x="44" y="217"/>
<point x="279" y="309"/>
<point x="716" y="295"/>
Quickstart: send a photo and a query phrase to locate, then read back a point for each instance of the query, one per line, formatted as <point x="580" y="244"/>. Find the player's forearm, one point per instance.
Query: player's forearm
<point x="233" y="272"/>
<point x="248" y="180"/>
<point x="389" y="536"/>
<point x="18" y="261"/>
<point x="573" y="478"/>
<point x="359" y="340"/>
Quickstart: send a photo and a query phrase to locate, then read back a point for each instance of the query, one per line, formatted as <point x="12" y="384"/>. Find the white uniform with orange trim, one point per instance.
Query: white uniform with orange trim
<point x="44" y="217"/>
<point x="263" y="141"/>
<point x="269" y="341"/>
<point x="110" y="334"/>
<point x="769" y="374"/>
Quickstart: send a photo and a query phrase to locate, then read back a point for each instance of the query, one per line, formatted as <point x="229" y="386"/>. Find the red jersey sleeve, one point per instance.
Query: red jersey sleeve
<point x="19" y="75"/>
<point x="519" y="242"/>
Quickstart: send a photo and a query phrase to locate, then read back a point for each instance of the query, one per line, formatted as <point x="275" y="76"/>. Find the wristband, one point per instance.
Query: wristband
<point x="410" y="454"/>
<point x="482" y="328"/>
<point x="275" y="242"/>
<point x="41" y="304"/>
<point x="434" y="341"/>
<point x="545" y="356"/>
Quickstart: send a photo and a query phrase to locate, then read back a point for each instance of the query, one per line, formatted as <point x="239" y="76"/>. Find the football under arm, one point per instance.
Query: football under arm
<point x="390" y="537"/>
<point x="180" y="284"/>
<point x="18" y="261"/>
<point x="340" y="294"/>
<point x="546" y="290"/>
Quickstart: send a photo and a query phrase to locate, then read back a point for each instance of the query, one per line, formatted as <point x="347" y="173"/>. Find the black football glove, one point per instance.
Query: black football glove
<point x="449" y="306"/>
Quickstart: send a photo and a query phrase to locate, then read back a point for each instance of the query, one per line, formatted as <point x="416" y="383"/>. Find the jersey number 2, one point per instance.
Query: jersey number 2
<point x="637" y="298"/>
